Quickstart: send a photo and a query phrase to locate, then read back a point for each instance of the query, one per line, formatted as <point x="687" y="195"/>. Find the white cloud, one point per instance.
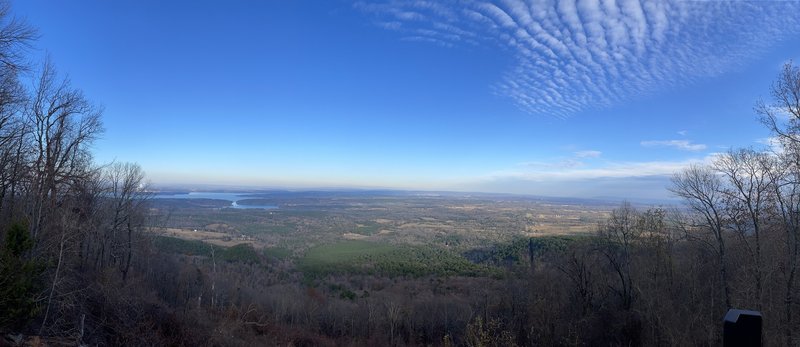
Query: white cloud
<point x="772" y="143"/>
<point x="649" y="189"/>
<point x="572" y="56"/>
<point x="781" y="113"/>
<point x="684" y="145"/>
<point x="588" y="154"/>
<point x="629" y="180"/>
<point x="574" y="162"/>
<point x="557" y="165"/>
<point x="683" y="132"/>
<point x="554" y="172"/>
<point x="392" y="25"/>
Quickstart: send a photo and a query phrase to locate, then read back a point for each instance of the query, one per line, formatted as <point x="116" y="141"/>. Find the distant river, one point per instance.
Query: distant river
<point x="232" y="197"/>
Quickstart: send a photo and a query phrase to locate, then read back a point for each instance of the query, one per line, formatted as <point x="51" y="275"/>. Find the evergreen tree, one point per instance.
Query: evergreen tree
<point x="18" y="279"/>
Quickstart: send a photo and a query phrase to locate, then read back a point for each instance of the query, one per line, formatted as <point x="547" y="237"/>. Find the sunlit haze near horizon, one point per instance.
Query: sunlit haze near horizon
<point x="567" y="98"/>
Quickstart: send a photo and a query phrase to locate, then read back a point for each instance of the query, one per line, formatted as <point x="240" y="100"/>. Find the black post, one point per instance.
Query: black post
<point x="741" y="328"/>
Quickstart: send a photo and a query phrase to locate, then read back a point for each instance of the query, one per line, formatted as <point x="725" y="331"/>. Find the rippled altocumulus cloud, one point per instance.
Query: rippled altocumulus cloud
<point x="571" y="56"/>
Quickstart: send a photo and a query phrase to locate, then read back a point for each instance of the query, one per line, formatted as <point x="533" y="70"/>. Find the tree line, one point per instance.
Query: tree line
<point x="745" y="207"/>
<point x="67" y="222"/>
<point x="667" y="276"/>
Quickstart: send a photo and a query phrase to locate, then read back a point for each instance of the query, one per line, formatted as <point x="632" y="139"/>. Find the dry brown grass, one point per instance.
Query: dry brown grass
<point x="212" y="237"/>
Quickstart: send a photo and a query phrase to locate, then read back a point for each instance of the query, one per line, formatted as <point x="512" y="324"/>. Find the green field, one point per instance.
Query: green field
<point x="181" y="246"/>
<point x="362" y="257"/>
<point x="243" y="253"/>
<point x="278" y="253"/>
<point x="368" y="229"/>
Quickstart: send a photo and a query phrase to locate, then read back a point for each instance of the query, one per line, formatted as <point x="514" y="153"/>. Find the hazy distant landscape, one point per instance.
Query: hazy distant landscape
<point x="297" y="222"/>
<point x="367" y="247"/>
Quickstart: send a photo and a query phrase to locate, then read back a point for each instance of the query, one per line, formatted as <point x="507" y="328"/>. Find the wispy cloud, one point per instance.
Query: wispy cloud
<point x="556" y="172"/>
<point x="781" y="113"/>
<point x="588" y="154"/>
<point x="553" y="165"/>
<point x="772" y="143"/>
<point x="682" y="132"/>
<point x="571" y="56"/>
<point x="579" y="159"/>
<point x="684" y="145"/>
<point x="628" y="179"/>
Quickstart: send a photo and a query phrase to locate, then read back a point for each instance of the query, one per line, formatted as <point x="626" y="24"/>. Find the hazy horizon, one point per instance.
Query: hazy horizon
<point x="571" y="99"/>
<point x="657" y="199"/>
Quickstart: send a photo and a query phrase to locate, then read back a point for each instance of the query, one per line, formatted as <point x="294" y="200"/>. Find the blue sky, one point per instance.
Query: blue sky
<point x="560" y="98"/>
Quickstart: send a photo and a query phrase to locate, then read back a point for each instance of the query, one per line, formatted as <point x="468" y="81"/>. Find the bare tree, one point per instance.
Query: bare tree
<point x="747" y="197"/>
<point x="15" y="39"/>
<point x="701" y="188"/>
<point x="659" y="239"/>
<point x="782" y="117"/>
<point x="63" y="123"/>
<point x="785" y="178"/>
<point x="618" y="236"/>
<point x="127" y="191"/>
<point x="575" y="263"/>
<point x="394" y="315"/>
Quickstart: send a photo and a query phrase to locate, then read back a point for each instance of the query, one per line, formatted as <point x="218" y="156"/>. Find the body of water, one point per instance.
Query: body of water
<point x="232" y="197"/>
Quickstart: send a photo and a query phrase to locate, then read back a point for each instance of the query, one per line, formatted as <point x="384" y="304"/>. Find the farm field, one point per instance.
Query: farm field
<point x="376" y="233"/>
